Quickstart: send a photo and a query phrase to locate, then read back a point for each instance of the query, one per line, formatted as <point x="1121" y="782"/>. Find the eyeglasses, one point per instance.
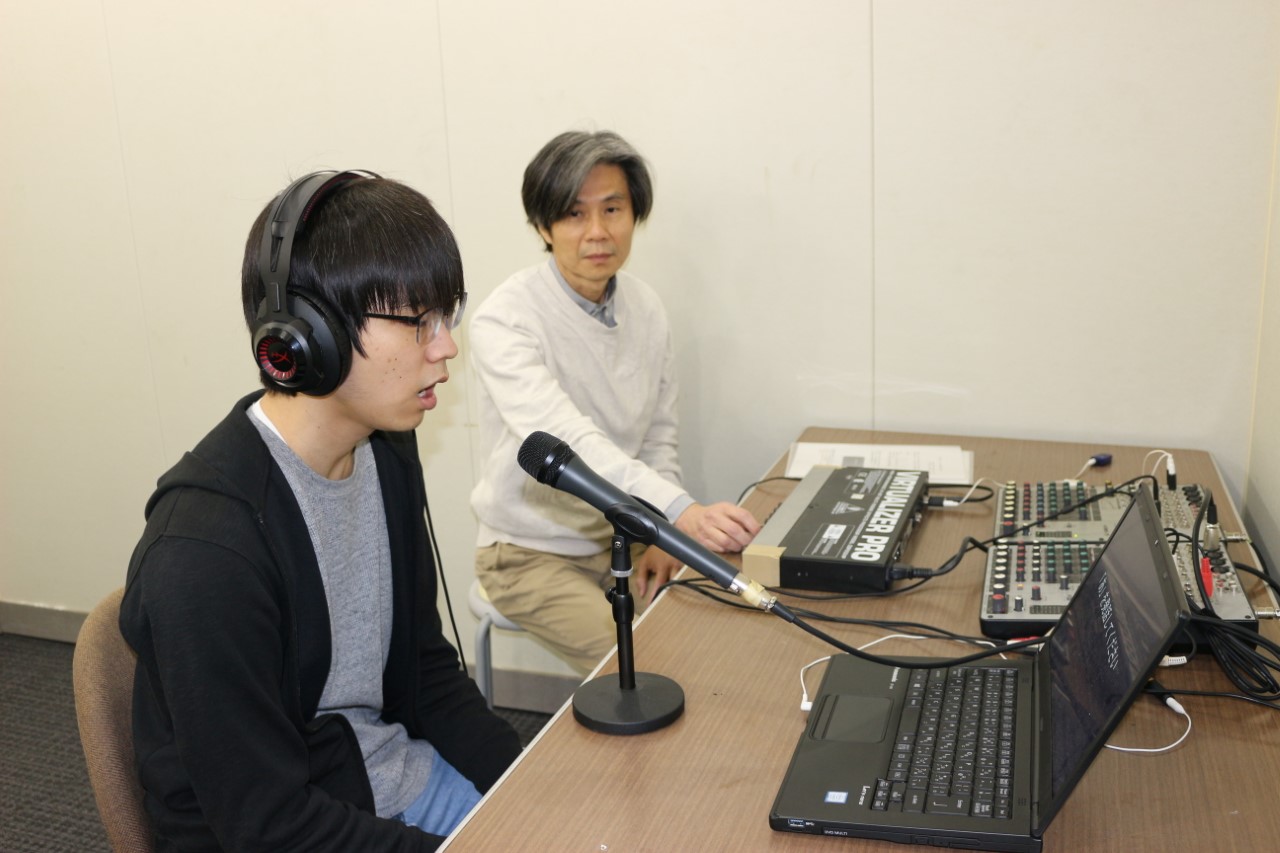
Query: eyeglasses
<point x="428" y="324"/>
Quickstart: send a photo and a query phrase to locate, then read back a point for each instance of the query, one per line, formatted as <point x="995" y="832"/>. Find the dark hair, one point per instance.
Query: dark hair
<point x="371" y="245"/>
<point x="556" y="174"/>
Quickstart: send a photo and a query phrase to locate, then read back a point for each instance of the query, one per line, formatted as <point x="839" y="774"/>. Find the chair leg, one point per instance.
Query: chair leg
<point x="484" y="660"/>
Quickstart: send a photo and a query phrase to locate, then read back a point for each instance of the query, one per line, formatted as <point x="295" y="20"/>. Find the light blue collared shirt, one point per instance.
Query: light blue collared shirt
<point x="602" y="310"/>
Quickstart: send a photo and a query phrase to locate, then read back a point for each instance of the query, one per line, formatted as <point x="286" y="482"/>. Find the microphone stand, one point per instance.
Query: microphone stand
<point x="634" y="702"/>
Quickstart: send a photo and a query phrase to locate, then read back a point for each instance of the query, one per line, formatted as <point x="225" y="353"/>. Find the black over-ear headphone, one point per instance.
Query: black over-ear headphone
<point x="299" y="340"/>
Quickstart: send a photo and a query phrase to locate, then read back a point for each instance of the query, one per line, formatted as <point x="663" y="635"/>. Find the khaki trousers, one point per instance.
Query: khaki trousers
<point x="558" y="599"/>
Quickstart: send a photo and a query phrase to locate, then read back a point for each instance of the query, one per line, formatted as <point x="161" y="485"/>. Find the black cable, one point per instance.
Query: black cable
<point x="990" y="492"/>
<point x="761" y="482"/>
<point x="794" y="616"/>
<point x="1217" y="694"/>
<point x="711" y="586"/>
<point x="969" y="543"/>
<point x="1206" y="605"/>
<point x="1262" y="564"/>
<point x="1270" y="581"/>
<point x="435" y="553"/>
<point x="895" y="625"/>
<point x="848" y="596"/>
<point x="902" y="573"/>
<point x="1250" y="660"/>
<point x="1190" y="637"/>
<point x="697" y="585"/>
<point x="910" y="663"/>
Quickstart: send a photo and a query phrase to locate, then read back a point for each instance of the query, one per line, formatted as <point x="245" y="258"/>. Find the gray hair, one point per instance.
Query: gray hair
<point x="556" y="174"/>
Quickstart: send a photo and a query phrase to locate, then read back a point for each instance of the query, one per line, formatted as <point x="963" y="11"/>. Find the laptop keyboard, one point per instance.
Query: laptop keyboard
<point x="954" y="748"/>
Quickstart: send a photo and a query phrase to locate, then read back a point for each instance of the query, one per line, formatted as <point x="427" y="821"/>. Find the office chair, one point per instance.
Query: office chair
<point x="102" y="670"/>
<point x="482" y="608"/>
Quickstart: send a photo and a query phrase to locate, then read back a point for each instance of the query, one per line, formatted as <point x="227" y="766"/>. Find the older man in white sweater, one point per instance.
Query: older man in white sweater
<point x="579" y="349"/>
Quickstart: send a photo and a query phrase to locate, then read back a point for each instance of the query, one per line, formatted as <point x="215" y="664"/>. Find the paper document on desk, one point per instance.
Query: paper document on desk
<point x="945" y="463"/>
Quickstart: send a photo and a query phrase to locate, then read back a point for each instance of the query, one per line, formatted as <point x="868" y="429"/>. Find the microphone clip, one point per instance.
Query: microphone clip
<point x="633" y="521"/>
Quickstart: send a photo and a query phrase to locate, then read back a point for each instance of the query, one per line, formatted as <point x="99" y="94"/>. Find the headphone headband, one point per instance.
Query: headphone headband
<point x="289" y="216"/>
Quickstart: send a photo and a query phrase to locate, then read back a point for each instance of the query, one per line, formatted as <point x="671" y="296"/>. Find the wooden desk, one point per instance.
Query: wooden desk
<point x="707" y="782"/>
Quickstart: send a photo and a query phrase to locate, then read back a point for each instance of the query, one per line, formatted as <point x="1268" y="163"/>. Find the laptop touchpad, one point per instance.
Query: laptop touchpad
<point x="856" y="719"/>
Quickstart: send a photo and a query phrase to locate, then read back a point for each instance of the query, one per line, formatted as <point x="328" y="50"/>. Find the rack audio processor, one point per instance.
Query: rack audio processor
<point x="840" y="530"/>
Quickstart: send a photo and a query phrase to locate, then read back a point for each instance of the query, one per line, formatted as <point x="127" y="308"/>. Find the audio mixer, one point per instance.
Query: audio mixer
<point x="1032" y="573"/>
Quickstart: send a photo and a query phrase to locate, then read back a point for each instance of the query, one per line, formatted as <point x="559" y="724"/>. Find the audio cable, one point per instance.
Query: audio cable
<point x="1170" y="470"/>
<point x="807" y="705"/>
<point x="1261" y="575"/>
<point x="1097" y="460"/>
<point x="1201" y="571"/>
<point x="1250" y="660"/>
<point x="751" y="486"/>
<point x="444" y="585"/>
<point x="1157" y="690"/>
<point x="970" y="543"/>
<point x="798" y="618"/>
<point x="939" y="501"/>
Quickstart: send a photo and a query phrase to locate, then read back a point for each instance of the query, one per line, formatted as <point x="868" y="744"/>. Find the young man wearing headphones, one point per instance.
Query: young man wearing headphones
<point x="294" y="688"/>
<point x="578" y="348"/>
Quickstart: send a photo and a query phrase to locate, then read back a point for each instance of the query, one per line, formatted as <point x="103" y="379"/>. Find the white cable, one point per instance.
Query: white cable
<point x="954" y="502"/>
<point x="1161" y="456"/>
<point x="1177" y="707"/>
<point x="974" y="488"/>
<point x="880" y="640"/>
<point x="806" y="705"/>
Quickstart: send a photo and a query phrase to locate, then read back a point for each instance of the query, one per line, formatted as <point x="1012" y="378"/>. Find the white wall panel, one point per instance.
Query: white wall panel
<point x="1070" y="215"/>
<point x="79" y="437"/>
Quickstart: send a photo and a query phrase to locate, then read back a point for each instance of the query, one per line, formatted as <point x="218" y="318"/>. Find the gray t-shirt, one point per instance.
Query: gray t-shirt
<point x="348" y="528"/>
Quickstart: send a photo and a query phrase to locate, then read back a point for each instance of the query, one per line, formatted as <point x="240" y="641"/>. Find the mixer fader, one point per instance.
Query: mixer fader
<point x="1050" y="534"/>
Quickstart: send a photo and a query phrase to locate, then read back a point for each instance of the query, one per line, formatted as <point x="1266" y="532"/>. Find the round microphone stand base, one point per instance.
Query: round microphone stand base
<point x="602" y="704"/>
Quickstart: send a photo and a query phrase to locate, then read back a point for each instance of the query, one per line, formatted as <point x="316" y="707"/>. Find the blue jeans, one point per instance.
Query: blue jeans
<point x="444" y="802"/>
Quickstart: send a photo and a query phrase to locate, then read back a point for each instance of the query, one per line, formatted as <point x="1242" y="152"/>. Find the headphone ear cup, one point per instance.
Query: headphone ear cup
<point x="306" y="348"/>
<point x="332" y="344"/>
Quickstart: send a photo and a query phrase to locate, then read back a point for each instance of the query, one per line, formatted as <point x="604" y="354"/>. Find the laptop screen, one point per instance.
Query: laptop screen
<point x="1116" y="628"/>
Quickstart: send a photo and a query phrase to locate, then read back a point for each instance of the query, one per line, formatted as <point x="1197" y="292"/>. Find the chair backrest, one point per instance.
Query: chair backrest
<point x="102" y="675"/>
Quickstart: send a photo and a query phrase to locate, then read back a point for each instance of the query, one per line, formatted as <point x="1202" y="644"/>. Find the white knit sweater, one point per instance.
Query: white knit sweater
<point x="544" y="364"/>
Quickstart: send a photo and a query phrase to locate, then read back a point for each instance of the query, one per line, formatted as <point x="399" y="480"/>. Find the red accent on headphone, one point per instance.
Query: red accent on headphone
<point x="276" y="360"/>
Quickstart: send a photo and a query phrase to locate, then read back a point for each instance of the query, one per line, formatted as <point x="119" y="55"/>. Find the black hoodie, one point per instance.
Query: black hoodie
<point x="226" y="610"/>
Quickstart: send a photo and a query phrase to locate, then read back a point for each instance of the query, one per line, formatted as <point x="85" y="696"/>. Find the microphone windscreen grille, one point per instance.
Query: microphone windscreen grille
<point x="536" y="452"/>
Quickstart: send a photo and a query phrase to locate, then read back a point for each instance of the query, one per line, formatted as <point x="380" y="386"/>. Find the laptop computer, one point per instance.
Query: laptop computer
<point x="861" y="768"/>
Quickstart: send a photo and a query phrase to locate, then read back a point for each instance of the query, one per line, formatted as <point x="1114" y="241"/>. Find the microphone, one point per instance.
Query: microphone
<point x="551" y="461"/>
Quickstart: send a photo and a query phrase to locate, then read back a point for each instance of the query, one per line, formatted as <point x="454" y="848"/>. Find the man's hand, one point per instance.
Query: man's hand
<point x="651" y="570"/>
<point x="723" y="527"/>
